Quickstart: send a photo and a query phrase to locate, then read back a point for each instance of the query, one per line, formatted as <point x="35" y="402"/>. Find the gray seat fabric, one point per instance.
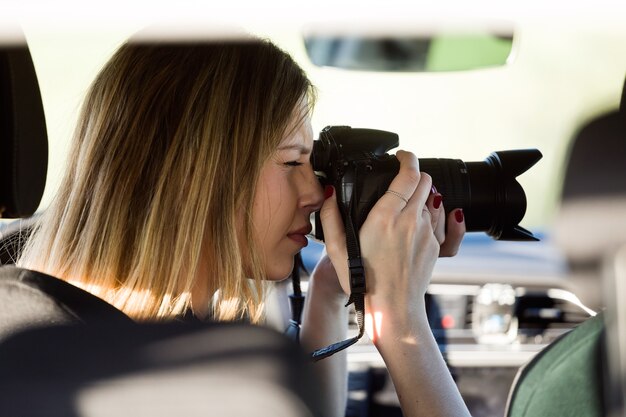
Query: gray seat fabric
<point x="155" y="370"/>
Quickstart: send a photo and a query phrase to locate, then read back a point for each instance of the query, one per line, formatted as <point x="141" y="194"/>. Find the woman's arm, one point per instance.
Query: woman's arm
<point x="400" y="242"/>
<point x="420" y="375"/>
<point x="325" y="322"/>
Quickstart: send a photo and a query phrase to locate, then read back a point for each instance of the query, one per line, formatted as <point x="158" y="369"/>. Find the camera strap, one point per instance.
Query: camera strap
<point x="296" y="300"/>
<point x="357" y="289"/>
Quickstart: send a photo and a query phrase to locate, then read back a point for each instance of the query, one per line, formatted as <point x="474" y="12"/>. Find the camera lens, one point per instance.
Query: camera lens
<point x="491" y="198"/>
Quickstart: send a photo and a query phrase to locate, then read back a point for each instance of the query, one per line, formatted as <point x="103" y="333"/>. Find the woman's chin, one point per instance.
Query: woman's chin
<point x="279" y="273"/>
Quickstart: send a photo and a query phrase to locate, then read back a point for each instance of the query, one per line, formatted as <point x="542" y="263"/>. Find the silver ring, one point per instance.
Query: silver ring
<point x="397" y="194"/>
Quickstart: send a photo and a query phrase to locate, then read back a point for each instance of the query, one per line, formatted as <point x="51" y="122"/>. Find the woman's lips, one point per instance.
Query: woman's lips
<point x="299" y="236"/>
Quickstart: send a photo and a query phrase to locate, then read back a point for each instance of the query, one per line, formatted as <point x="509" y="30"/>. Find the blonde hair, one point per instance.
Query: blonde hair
<point x="163" y="169"/>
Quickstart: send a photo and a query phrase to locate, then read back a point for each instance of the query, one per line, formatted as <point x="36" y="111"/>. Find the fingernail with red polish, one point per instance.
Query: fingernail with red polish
<point x="458" y="215"/>
<point x="437" y="201"/>
<point x="328" y="191"/>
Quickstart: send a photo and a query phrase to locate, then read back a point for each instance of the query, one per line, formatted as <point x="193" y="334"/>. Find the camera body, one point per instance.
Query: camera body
<point x="356" y="163"/>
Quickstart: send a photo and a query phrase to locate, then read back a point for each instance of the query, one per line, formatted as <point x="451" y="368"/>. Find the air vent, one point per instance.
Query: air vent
<point x="571" y="314"/>
<point x="542" y="317"/>
<point x="469" y="310"/>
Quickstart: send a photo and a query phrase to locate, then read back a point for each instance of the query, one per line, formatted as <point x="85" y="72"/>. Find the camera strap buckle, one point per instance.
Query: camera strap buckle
<point x="357" y="276"/>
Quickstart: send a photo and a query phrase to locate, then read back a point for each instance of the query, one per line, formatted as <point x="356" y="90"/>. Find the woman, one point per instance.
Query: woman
<point x="189" y="184"/>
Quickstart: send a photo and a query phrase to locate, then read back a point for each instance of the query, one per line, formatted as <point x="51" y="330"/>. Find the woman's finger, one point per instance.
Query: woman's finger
<point x="437" y="214"/>
<point x="454" y="234"/>
<point x="418" y="200"/>
<point x="403" y="185"/>
<point x="335" y="236"/>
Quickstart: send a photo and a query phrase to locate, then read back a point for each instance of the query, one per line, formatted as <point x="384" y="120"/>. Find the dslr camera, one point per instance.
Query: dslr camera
<point x="356" y="163"/>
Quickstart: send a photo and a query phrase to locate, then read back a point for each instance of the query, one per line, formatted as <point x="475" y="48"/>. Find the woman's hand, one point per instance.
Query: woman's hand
<point x="401" y="239"/>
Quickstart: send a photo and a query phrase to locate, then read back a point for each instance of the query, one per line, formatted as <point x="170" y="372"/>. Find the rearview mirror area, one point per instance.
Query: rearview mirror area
<point x="407" y="53"/>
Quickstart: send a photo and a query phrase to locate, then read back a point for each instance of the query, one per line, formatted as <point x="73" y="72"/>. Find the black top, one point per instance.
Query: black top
<point x="31" y="299"/>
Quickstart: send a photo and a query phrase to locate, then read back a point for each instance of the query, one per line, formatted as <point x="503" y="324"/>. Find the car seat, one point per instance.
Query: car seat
<point x="564" y="379"/>
<point x="65" y="352"/>
<point x="590" y="221"/>
<point x="174" y="369"/>
<point x="24" y="154"/>
<point x="568" y="377"/>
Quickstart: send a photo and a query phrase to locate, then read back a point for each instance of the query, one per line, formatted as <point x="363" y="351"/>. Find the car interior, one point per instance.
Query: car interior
<point x="525" y="330"/>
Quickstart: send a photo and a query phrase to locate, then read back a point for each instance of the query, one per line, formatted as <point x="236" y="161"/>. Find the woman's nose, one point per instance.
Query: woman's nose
<point x="313" y="194"/>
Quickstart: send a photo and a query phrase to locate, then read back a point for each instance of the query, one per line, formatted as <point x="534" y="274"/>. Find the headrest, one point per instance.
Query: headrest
<point x="23" y="136"/>
<point x="592" y="217"/>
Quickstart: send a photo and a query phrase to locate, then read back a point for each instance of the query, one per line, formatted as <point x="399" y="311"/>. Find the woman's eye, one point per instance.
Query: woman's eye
<point x="293" y="163"/>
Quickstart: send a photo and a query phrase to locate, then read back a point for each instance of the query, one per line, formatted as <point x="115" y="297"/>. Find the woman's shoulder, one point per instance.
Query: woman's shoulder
<point x="33" y="299"/>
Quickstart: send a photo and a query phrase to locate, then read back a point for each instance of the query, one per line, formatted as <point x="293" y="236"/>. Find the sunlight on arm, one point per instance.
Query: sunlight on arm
<point x="373" y="325"/>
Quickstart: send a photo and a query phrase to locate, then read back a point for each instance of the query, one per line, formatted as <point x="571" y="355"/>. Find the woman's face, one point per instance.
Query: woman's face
<point x="287" y="193"/>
